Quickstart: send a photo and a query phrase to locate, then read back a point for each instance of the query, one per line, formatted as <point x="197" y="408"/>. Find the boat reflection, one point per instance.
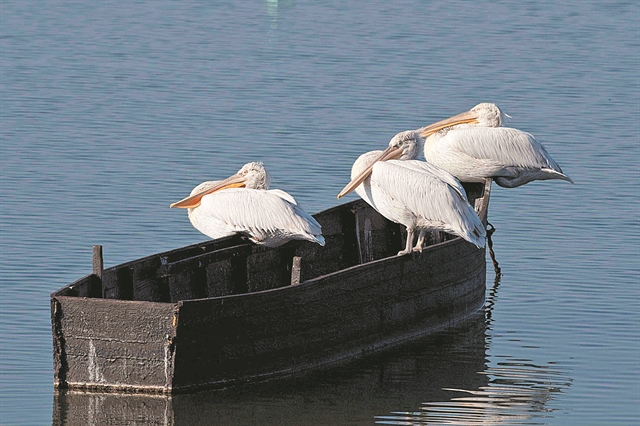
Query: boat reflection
<point x="447" y="376"/>
<point x="517" y="393"/>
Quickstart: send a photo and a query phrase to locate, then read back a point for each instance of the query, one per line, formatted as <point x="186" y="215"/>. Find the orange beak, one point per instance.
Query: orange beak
<point x="192" y="201"/>
<point x="462" y="118"/>
<point x="391" y="153"/>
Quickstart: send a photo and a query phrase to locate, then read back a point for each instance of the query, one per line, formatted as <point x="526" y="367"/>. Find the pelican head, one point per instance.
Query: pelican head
<point x="251" y="175"/>
<point x="409" y="142"/>
<point x="403" y="146"/>
<point x="484" y="114"/>
<point x="489" y="115"/>
<point x="256" y="176"/>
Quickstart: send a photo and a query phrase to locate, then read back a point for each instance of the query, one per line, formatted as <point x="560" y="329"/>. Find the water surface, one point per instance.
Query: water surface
<point x="109" y="112"/>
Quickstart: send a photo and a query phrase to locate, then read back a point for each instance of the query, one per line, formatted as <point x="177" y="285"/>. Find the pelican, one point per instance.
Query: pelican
<point x="243" y="203"/>
<point x="473" y="146"/>
<point x="413" y="193"/>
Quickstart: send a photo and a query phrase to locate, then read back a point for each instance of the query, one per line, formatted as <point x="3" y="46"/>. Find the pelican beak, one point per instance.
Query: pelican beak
<point x="462" y="118"/>
<point x="391" y="153"/>
<point x="192" y="201"/>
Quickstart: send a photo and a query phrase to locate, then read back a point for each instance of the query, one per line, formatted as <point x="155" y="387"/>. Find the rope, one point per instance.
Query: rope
<point x="496" y="267"/>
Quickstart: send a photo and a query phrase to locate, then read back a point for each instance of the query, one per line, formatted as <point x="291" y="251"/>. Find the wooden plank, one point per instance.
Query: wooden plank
<point x="322" y="260"/>
<point x="87" y="286"/>
<point x="113" y="344"/>
<point x="349" y="255"/>
<point x="119" y="280"/>
<point x="207" y="258"/>
<point x="188" y="284"/>
<point x="117" y="283"/>
<point x="270" y="268"/>
<point x="98" y="263"/>
<point x="296" y="270"/>
<point x="217" y="273"/>
<point x="220" y="278"/>
<point x="203" y="248"/>
<point x="149" y="280"/>
<point x="377" y="236"/>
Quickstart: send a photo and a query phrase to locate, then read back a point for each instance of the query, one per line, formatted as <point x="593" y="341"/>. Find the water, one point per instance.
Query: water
<point x="111" y="111"/>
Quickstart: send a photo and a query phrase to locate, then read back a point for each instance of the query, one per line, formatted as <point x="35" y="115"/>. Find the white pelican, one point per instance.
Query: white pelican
<point x="413" y="193"/>
<point x="243" y="204"/>
<point x="478" y="148"/>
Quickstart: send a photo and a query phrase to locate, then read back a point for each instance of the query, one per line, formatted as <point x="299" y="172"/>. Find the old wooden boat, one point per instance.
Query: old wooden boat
<point x="227" y="311"/>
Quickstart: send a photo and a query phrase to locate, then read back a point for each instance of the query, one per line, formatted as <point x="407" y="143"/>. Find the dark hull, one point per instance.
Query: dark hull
<point x="227" y="311"/>
<point x="428" y="368"/>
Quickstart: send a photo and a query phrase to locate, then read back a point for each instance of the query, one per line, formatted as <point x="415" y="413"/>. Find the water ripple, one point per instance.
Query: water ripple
<point x="517" y="393"/>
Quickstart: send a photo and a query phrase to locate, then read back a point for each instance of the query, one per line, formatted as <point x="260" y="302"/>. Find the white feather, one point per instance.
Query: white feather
<point x="267" y="217"/>
<point x="474" y="152"/>
<point x="418" y="196"/>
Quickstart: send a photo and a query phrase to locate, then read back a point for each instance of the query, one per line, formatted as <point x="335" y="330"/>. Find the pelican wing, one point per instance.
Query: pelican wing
<point x="427" y="196"/>
<point x="502" y="145"/>
<point x="424" y="167"/>
<point x="285" y="196"/>
<point x="259" y="212"/>
<point x="314" y="226"/>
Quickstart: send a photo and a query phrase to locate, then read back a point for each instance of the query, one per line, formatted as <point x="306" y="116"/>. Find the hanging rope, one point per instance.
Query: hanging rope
<point x="493" y="293"/>
<point x="496" y="267"/>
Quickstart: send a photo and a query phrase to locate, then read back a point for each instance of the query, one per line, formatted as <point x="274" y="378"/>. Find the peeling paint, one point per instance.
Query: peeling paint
<point x="94" y="371"/>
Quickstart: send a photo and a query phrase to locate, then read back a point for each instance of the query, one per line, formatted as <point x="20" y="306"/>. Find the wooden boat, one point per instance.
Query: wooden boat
<point x="227" y="311"/>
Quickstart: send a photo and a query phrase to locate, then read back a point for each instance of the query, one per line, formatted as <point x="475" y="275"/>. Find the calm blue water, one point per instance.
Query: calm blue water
<point x="110" y="111"/>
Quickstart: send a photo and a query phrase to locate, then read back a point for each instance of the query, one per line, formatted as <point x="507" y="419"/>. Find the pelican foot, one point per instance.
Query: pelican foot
<point x="417" y="248"/>
<point x="403" y="252"/>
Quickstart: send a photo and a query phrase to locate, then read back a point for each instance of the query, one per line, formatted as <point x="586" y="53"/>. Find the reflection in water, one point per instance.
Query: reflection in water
<point x="446" y="376"/>
<point x="517" y="393"/>
<point x="273" y="10"/>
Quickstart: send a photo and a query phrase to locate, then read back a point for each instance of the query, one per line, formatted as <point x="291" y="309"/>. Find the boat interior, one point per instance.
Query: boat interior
<point x="354" y="232"/>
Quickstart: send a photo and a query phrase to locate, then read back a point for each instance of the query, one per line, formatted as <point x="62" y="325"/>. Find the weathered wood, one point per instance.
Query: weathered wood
<point x="191" y="262"/>
<point x="88" y="286"/>
<point x="98" y="264"/>
<point x="117" y="283"/>
<point x="199" y="276"/>
<point x="268" y="269"/>
<point x="377" y="236"/>
<point x="188" y="284"/>
<point x="340" y="250"/>
<point x="203" y="248"/>
<point x="220" y="277"/>
<point x="110" y="344"/>
<point x="149" y="280"/>
<point x="296" y="270"/>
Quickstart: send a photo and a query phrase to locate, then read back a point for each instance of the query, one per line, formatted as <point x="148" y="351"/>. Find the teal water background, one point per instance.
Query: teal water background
<point x="110" y="111"/>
